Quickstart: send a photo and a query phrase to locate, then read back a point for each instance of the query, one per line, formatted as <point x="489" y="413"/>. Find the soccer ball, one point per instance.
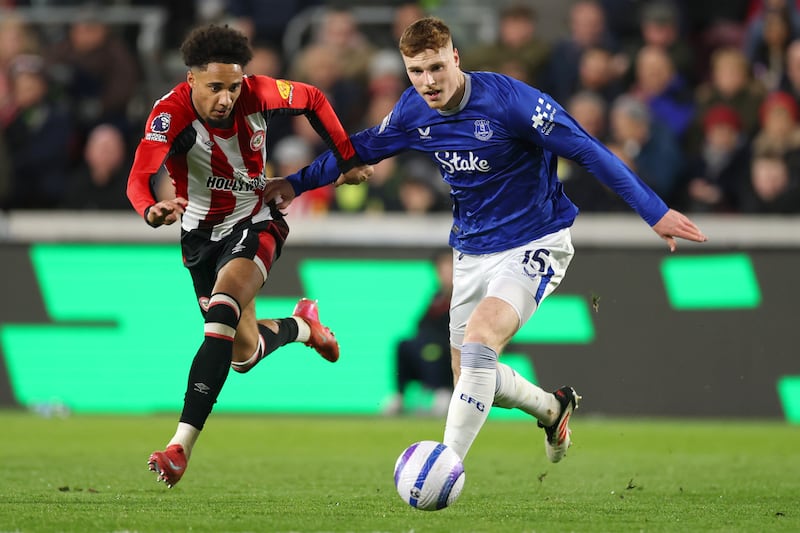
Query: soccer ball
<point x="429" y="475"/>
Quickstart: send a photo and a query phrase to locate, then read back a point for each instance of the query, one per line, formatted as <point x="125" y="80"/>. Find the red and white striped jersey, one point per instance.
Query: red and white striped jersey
<point x="221" y="172"/>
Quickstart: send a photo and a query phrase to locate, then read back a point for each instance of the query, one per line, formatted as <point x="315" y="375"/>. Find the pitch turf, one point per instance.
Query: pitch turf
<point x="310" y="474"/>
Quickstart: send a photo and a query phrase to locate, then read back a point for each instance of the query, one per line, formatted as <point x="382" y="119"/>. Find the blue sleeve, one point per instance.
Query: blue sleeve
<point x="371" y="145"/>
<point x="538" y="117"/>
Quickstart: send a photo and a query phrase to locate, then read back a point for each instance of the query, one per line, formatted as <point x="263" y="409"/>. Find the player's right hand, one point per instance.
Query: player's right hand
<point x="355" y="176"/>
<point x="166" y="212"/>
<point x="675" y="224"/>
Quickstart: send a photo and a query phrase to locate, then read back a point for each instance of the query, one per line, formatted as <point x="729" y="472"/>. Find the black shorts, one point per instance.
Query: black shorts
<point x="261" y="242"/>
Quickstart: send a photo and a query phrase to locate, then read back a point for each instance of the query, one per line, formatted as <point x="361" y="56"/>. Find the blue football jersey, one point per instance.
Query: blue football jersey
<point x="498" y="151"/>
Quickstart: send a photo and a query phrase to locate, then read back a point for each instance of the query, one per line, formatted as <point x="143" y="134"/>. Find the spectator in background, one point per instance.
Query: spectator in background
<point x="290" y="155"/>
<point x="322" y="66"/>
<point x="730" y="84"/>
<point x="660" y="26"/>
<point x="418" y="189"/>
<point x="338" y="31"/>
<point x="16" y="38"/>
<point x="265" y="22"/>
<point x="721" y="165"/>
<point x="791" y="77"/>
<point x="596" y="74"/>
<point x="779" y="130"/>
<point x="773" y="186"/>
<point x="404" y="15"/>
<point x="766" y="49"/>
<point x="587" y="29"/>
<point x="5" y="170"/>
<point x="590" y="110"/>
<point x="98" y="71"/>
<point x="378" y="195"/>
<point x="646" y="146"/>
<point x="267" y="61"/>
<point x="518" y="43"/>
<point x="425" y="357"/>
<point x="100" y="181"/>
<point x="662" y="88"/>
<point x="38" y="138"/>
<point x="302" y="128"/>
<point x="387" y="75"/>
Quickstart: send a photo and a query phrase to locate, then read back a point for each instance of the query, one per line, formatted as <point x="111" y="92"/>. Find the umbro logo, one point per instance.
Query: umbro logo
<point x="202" y="388"/>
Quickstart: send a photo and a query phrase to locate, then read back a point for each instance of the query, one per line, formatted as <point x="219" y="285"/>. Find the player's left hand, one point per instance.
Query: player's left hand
<point x="355" y="176"/>
<point x="280" y="190"/>
<point x="677" y="225"/>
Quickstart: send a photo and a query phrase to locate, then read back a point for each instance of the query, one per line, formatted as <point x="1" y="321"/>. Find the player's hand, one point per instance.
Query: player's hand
<point x="355" y="176"/>
<point x="279" y="190"/>
<point x="166" y="211"/>
<point x="677" y="225"/>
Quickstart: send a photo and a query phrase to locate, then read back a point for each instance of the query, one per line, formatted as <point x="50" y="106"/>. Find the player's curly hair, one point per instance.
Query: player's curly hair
<point x="216" y="44"/>
<point x="429" y="33"/>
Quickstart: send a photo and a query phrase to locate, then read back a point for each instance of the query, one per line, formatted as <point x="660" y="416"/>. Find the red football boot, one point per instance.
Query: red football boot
<point x="321" y="338"/>
<point x="169" y="464"/>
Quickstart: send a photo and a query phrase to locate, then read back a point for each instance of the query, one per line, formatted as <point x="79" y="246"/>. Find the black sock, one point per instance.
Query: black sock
<point x="213" y="360"/>
<point x="287" y="332"/>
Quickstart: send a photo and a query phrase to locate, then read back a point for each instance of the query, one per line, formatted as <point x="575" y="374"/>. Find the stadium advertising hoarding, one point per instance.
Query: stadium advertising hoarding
<point x="102" y="327"/>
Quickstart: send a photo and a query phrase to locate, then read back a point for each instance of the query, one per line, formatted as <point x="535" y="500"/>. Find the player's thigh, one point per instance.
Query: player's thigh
<point x="530" y="273"/>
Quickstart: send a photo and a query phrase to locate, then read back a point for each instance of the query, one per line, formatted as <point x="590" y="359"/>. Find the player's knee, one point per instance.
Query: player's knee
<point x="222" y="316"/>
<point x="476" y="355"/>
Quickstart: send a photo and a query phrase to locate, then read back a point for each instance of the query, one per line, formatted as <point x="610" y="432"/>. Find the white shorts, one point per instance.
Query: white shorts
<point x="522" y="277"/>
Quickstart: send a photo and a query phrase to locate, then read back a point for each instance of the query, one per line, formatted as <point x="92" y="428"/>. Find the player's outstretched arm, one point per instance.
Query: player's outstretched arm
<point x="677" y="225"/>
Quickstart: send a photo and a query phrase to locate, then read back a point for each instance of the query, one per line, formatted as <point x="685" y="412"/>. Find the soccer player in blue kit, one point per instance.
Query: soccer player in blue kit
<point x="496" y="141"/>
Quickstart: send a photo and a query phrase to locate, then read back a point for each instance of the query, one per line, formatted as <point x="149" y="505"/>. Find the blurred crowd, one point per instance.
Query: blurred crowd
<point x="701" y="99"/>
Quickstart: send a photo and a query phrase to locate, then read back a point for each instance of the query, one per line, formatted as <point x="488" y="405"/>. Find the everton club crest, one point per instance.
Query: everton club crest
<point x="483" y="130"/>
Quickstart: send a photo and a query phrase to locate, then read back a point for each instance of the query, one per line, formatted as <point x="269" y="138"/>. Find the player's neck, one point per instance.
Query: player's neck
<point x="458" y="95"/>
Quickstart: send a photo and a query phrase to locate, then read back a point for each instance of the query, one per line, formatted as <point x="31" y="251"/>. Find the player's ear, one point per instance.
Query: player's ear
<point x="190" y="78"/>
<point x="456" y="58"/>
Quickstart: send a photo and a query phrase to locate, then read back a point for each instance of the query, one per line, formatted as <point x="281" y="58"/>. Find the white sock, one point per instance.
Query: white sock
<point x="514" y="391"/>
<point x="186" y="435"/>
<point x="303" y="330"/>
<point x="472" y="397"/>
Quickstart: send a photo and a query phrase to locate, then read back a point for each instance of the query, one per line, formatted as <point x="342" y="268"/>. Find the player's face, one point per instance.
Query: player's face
<point x="437" y="77"/>
<point x="215" y="91"/>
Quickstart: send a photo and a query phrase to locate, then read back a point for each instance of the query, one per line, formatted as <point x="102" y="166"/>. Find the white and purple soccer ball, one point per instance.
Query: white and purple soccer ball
<point x="429" y="475"/>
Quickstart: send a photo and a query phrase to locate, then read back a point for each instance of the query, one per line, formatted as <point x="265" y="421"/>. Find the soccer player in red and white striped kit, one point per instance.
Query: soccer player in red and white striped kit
<point x="210" y="132"/>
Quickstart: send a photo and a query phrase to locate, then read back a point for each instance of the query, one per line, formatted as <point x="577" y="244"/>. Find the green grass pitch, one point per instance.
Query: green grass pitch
<point x="334" y="474"/>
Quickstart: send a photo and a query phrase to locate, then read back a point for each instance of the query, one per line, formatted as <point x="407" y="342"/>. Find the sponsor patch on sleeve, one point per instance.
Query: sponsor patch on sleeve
<point x="285" y="89"/>
<point x="543" y="118"/>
